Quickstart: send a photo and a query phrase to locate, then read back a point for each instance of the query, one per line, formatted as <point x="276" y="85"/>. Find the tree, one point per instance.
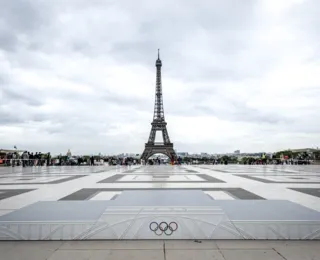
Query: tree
<point x="316" y="155"/>
<point x="288" y="153"/>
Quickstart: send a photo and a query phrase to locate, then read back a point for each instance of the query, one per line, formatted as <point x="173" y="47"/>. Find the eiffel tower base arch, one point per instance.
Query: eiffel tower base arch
<point x="152" y="148"/>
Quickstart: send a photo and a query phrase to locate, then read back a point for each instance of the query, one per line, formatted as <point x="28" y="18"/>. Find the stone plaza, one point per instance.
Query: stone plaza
<point x="116" y="202"/>
<point x="198" y="207"/>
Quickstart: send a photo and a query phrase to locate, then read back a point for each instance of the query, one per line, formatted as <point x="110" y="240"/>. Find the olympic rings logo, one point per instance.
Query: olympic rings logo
<point x="163" y="227"/>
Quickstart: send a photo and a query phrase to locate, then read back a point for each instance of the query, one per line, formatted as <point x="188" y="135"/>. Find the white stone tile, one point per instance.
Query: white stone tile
<point x="190" y="177"/>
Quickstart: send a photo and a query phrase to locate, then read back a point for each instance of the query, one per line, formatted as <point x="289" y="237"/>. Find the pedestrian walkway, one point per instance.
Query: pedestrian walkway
<point x="162" y="250"/>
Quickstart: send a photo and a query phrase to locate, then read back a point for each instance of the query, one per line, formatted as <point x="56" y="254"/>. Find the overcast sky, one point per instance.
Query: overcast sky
<point x="236" y="74"/>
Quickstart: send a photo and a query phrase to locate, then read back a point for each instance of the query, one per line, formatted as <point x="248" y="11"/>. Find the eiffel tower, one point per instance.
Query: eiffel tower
<point x="158" y="124"/>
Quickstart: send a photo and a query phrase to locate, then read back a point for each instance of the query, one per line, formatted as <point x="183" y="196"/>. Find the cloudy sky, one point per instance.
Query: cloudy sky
<point x="236" y="74"/>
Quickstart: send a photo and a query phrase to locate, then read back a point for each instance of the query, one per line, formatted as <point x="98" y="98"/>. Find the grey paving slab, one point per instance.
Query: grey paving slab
<point x="112" y="179"/>
<point x="7" y="193"/>
<point x="242" y="194"/>
<point x="71" y="255"/>
<point x="210" y="179"/>
<point x="180" y="249"/>
<point x="203" y="254"/>
<point x="190" y="244"/>
<point x="299" y="252"/>
<point x="116" y="245"/>
<point x="50" y="245"/>
<point x="267" y="244"/>
<point x="85" y="194"/>
<point x="310" y="191"/>
<point x="127" y="254"/>
<point x="248" y="244"/>
<point x="6" y="246"/>
<point x="27" y="253"/>
<point x="259" y="254"/>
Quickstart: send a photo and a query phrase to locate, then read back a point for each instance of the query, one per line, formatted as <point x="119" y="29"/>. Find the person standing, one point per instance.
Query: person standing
<point x="31" y="159"/>
<point x="40" y="161"/>
<point x="60" y="160"/>
<point x="48" y="159"/>
<point x="172" y="160"/>
<point x="25" y="158"/>
<point x="36" y="158"/>
<point x="14" y="157"/>
<point x="92" y="161"/>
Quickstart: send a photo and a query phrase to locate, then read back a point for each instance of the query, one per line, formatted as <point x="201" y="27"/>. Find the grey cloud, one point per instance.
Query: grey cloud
<point x="9" y="118"/>
<point x="81" y="45"/>
<point x="211" y="48"/>
<point x="133" y="103"/>
<point x="7" y="40"/>
<point x="21" y="96"/>
<point x="20" y="17"/>
<point x="242" y="113"/>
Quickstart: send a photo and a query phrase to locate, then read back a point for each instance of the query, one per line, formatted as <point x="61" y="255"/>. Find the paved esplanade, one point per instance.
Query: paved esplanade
<point x="193" y="202"/>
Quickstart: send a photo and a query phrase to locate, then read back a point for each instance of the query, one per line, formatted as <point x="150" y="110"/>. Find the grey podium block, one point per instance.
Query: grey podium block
<point x="163" y="198"/>
<point x="129" y="217"/>
<point x="266" y="210"/>
<point x="58" y="211"/>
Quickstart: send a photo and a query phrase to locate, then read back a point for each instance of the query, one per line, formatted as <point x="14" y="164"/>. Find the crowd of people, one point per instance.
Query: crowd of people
<point x="29" y="159"/>
<point x="26" y="159"/>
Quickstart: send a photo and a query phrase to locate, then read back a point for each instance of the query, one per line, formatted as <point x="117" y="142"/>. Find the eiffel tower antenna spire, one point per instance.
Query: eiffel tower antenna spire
<point x="158" y="123"/>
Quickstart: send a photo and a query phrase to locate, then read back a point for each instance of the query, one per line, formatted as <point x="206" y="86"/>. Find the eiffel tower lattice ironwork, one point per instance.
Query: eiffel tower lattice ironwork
<point x="158" y="124"/>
